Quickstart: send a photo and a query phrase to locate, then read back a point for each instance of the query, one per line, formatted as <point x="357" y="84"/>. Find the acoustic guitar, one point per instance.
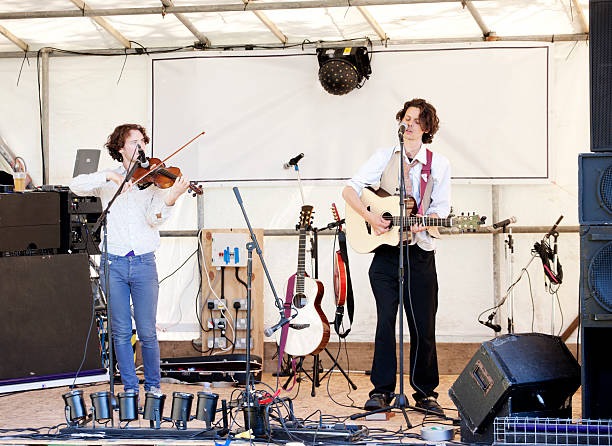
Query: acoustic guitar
<point x="309" y="331"/>
<point x="362" y="237"/>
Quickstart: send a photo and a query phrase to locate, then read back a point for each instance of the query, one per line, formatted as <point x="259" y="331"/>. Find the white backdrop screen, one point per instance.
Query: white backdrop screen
<point x="259" y="109"/>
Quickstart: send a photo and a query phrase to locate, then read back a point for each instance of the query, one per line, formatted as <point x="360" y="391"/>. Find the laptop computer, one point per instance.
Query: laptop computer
<point x="86" y="161"/>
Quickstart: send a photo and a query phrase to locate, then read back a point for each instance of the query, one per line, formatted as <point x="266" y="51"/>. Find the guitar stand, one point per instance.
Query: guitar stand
<point x="316" y="377"/>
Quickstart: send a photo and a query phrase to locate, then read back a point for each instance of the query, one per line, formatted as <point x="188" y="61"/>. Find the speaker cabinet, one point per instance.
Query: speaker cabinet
<point x="46" y="324"/>
<point x="596" y="320"/>
<point x="600" y="45"/>
<point x="595" y="188"/>
<point x="596" y="276"/>
<point x="528" y="374"/>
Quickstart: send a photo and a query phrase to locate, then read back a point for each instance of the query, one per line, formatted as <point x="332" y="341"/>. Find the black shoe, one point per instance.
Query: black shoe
<point x="430" y="404"/>
<point x="377" y="401"/>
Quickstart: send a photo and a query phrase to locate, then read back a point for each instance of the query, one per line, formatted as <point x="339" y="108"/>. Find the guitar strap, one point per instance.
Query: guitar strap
<point x="425" y="190"/>
<point x="350" y="303"/>
<point x="285" y="328"/>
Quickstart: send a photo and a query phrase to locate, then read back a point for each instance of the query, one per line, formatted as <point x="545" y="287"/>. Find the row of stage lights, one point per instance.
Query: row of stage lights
<point x="102" y="408"/>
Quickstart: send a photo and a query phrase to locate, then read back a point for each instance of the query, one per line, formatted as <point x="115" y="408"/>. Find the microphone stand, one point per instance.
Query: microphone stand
<point x="250" y="246"/>
<point x="102" y="220"/>
<point x="509" y="254"/>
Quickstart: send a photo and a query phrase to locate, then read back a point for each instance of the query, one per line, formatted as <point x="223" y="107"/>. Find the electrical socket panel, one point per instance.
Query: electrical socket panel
<point x="229" y="249"/>
<point x="241" y="323"/>
<point x="217" y="342"/>
<point x="219" y="304"/>
<point x="241" y="343"/>
<point x="218" y="323"/>
<point x="243" y="303"/>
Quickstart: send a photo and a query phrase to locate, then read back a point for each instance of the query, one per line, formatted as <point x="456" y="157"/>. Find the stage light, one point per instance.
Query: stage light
<point x="102" y="405"/>
<point x="154" y="408"/>
<point x="128" y="406"/>
<point x="343" y="69"/>
<point x="181" y="409"/>
<point x="207" y="407"/>
<point x="75" y="409"/>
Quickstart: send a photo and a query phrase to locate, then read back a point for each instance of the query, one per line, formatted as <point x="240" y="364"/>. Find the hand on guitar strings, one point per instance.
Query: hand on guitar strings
<point x="378" y="223"/>
<point x="419" y="227"/>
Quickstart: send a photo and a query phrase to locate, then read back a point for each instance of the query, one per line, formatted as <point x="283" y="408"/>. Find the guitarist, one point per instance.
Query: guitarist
<point x="421" y="300"/>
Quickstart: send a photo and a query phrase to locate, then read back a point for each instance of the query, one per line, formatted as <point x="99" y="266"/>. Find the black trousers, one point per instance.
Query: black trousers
<point x="420" y="309"/>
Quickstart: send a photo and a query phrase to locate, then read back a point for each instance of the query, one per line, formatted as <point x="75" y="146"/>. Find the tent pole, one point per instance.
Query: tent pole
<point x="44" y="117"/>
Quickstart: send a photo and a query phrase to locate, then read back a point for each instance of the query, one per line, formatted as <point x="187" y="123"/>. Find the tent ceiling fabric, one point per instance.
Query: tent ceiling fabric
<point x="401" y="22"/>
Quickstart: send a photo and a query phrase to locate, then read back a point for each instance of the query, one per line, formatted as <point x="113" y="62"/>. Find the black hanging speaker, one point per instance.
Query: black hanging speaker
<point x="595" y="188"/>
<point x="600" y="45"/>
<point x="528" y="374"/>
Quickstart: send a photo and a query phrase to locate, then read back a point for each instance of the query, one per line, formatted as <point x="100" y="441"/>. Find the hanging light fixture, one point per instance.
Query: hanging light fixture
<point x="341" y="70"/>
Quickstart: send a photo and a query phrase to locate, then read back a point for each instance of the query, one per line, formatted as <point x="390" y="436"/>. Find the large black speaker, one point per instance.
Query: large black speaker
<point x="600" y="23"/>
<point x="595" y="188"/>
<point x="596" y="320"/>
<point x="528" y="374"/>
<point x="46" y="325"/>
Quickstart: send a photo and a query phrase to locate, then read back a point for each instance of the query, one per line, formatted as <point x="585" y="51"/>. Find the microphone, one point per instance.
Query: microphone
<point x="495" y="327"/>
<point x="503" y="223"/>
<point x="144" y="162"/>
<point x="293" y="161"/>
<point x="284" y="321"/>
<point x="554" y="228"/>
<point x="402" y="129"/>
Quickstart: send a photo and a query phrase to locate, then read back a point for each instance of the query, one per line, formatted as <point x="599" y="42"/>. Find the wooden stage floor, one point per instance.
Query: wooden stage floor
<point x="44" y="408"/>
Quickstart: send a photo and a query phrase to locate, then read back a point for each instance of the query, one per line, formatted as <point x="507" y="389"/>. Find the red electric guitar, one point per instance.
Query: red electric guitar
<point x="340" y="277"/>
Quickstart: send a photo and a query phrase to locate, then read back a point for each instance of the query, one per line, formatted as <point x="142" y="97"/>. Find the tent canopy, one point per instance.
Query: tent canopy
<point x="120" y="25"/>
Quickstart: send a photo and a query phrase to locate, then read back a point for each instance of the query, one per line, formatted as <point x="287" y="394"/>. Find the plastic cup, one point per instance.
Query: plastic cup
<point x="19" y="180"/>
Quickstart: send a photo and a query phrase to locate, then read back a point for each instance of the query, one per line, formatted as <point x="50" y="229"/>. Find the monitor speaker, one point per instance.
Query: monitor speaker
<point x="595" y="188"/>
<point x="528" y="374"/>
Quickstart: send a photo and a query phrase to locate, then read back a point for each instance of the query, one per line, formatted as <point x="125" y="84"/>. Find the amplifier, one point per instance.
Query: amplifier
<point x="29" y="221"/>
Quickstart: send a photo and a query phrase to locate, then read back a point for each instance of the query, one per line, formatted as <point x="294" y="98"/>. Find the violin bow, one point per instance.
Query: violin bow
<point x="167" y="158"/>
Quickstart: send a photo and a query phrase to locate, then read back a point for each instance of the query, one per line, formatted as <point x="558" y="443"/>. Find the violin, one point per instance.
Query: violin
<point x="163" y="177"/>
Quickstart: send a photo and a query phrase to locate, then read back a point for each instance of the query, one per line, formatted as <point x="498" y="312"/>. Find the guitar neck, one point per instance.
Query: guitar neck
<point x="301" y="270"/>
<point x="425" y="221"/>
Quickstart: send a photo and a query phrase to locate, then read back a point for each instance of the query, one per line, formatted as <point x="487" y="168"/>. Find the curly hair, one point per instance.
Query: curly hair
<point x="116" y="140"/>
<point x="428" y="117"/>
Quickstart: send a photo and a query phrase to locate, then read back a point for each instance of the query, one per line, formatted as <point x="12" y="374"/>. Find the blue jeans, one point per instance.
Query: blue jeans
<point x="134" y="276"/>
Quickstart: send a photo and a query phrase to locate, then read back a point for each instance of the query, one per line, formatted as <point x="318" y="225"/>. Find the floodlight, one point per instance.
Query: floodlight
<point x="154" y="408"/>
<point x="181" y="409"/>
<point x="102" y="405"/>
<point x="75" y="409"/>
<point x="128" y="406"/>
<point x="207" y="406"/>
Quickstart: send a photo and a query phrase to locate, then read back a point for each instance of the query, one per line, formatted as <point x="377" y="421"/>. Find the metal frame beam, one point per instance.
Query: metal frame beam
<point x="103" y="23"/>
<point x="373" y="23"/>
<point x="188" y="24"/>
<point x="584" y="24"/>
<point x="270" y="24"/>
<point x="226" y="7"/>
<point x="136" y="51"/>
<point x="13" y="38"/>
<point x="486" y="32"/>
<point x="44" y="115"/>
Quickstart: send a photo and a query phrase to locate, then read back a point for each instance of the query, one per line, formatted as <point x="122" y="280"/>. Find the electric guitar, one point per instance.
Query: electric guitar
<point x="363" y="239"/>
<point x="308" y="332"/>
<point x="340" y="276"/>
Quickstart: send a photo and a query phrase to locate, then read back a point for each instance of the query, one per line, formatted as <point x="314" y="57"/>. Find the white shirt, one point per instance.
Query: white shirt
<point x="371" y="171"/>
<point x="133" y="217"/>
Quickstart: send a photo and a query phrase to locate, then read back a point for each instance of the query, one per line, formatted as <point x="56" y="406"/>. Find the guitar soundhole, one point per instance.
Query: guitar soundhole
<point x="299" y="301"/>
<point x="389" y="217"/>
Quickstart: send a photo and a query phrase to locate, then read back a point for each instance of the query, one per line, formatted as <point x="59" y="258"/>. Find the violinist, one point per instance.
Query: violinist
<point x="133" y="237"/>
